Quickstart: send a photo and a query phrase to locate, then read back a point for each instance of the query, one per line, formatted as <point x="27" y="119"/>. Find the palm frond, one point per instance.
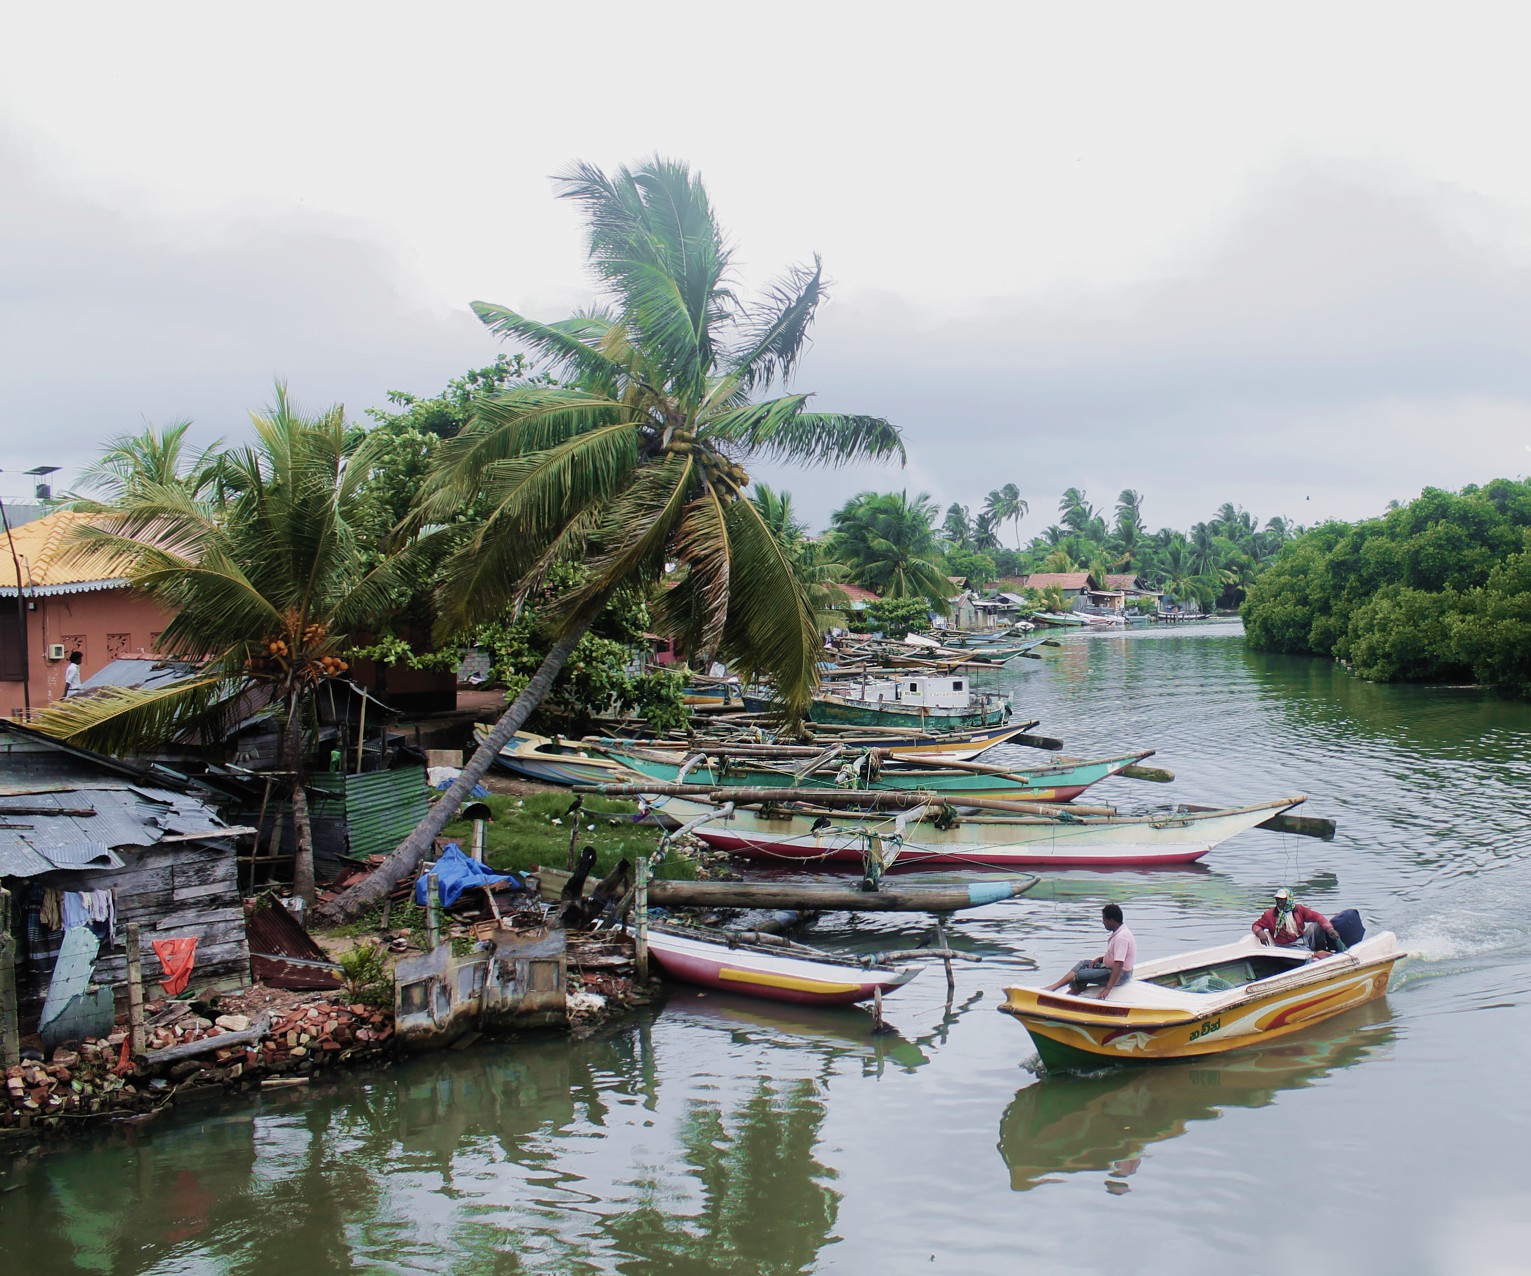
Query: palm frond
<point x="126" y="722"/>
<point x="568" y="348"/>
<point x="696" y="609"/>
<point x="775" y="336"/>
<point x="780" y="428"/>
<point x="770" y="627"/>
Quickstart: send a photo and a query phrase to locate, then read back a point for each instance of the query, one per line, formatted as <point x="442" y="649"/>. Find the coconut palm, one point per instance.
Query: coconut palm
<point x="131" y="463"/>
<point x="633" y="462"/>
<point x="261" y="588"/>
<point x="887" y="543"/>
<point x="958" y="526"/>
<point x="1004" y="505"/>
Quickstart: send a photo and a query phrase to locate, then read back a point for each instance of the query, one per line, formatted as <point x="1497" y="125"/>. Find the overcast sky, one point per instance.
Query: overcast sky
<point x="1276" y="255"/>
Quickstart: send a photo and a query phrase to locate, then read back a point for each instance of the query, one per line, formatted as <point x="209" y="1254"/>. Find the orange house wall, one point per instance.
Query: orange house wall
<point x="103" y="624"/>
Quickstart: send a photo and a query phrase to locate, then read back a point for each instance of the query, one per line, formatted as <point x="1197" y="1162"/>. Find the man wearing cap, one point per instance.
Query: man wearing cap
<point x="1287" y="923"/>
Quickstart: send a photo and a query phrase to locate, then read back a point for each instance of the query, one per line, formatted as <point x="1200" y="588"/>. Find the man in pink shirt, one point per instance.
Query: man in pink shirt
<point x="1111" y="968"/>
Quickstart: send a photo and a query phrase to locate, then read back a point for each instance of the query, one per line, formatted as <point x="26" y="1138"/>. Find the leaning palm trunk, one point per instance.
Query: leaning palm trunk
<point x="397" y="867"/>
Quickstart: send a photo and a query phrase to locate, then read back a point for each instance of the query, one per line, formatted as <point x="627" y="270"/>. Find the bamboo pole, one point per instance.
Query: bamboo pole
<point x="136" y="1038"/>
<point x="361" y="732"/>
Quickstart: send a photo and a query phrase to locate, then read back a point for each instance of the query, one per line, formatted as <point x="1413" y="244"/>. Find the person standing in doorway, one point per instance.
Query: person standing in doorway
<point x="72" y="674"/>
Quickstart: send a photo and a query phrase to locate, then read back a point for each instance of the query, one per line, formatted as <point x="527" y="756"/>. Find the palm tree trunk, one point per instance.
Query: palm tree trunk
<point x="373" y="888"/>
<point x="302" y="828"/>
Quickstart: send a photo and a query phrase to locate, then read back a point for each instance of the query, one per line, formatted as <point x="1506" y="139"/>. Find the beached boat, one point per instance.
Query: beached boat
<point x="1203" y="1003"/>
<point x="553" y="762"/>
<point x="927" y="702"/>
<point x="1059" y="619"/>
<point x="1058" y="782"/>
<point x="781" y="971"/>
<point x="804" y="834"/>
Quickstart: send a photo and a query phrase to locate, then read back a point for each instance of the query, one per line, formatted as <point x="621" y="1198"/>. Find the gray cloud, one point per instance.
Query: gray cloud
<point x="110" y="317"/>
<point x="1349" y="338"/>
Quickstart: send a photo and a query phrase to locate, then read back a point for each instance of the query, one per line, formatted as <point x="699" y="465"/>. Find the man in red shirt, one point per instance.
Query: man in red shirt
<point x="1287" y="923"/>
<point x="1113" y="967"/>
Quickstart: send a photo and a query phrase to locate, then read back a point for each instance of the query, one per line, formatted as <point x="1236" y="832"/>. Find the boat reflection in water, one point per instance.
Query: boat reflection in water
<point x="1106" y="1121"/>
<point x="834" y="1032"/>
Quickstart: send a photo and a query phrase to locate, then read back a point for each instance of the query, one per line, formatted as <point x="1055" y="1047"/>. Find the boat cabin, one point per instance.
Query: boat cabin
<point x="1224" y="976"/>
<point x="917" y="691"/>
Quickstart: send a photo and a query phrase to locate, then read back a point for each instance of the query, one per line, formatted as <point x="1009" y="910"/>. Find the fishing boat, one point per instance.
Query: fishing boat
<point x="805" y="834"/>
<point x="930" y="702"/>
<point x="778" y="971"/>
<point x="537" y="757"/>
<point x="1059" y="619"/>
<point x="1058" y="782"/>
<point x="1207" y="1002"/>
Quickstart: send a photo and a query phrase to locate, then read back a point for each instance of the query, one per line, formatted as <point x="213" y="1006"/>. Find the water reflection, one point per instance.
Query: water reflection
<point x="765" y="1201"/>
<point x="834" y="1033"/>
<point x="1108" y="1121"/>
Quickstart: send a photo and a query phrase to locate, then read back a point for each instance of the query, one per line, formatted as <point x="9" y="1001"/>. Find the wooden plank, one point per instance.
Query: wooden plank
<point x="183" y="921"/>
<point x="210" y="890"/>
<point x="189" y="1049"/>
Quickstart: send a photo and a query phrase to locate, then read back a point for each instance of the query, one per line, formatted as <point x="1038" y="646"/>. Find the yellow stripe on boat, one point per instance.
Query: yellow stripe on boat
<point x="793" y="983"/>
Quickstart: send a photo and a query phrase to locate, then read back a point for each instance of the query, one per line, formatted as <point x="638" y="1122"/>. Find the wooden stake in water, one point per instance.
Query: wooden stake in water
<point x="432" y="903"/>
<point x="641" y="908"/>
<point x="10" y="1028"/>
<point x="136" y="1040"/>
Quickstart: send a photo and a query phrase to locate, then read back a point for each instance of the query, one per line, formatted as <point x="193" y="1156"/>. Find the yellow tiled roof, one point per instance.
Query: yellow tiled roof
<point x="38" y="545"/>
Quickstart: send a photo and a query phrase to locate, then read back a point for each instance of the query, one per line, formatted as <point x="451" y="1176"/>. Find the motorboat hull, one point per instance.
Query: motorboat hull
<point x="1145" y="1022"/>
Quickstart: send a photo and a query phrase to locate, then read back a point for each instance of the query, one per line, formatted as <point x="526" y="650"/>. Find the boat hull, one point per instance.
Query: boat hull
<point x="999" y="842"/>
<point x="529" y="756"/>
<point x="929" y="720"/>
<point x="775" y="977"/>
<point x="1056" y="783"/>
<point x="1074" y="1033"/>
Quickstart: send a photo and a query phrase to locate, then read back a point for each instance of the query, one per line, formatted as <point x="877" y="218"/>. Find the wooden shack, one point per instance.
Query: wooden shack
<point x="138" y="844"/>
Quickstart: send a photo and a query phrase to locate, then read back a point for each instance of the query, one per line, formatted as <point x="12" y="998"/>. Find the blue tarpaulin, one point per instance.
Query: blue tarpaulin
<point x="456" y="873"/>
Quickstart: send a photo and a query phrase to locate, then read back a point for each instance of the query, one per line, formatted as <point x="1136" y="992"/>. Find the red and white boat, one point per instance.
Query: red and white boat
<point x="781" y="971"/>
<point x="805" y="834"/>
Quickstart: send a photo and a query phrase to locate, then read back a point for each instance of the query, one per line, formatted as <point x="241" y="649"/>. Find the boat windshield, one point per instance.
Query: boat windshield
<point x="1223" y="976"/>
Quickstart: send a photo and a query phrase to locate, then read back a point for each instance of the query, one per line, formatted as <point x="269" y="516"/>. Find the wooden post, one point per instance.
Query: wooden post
<point x="641" y="909"/>
<point x="10" y="1028"/>
<point x="136" y="1040"/>
<point x="361" y="732"/>
<point x="432" y="903"/>
<point x="479" y="837"/>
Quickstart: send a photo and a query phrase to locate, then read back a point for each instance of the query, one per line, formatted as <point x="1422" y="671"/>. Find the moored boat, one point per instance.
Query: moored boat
<point x="779" y="972"/>
<point x="1057" y="782"/>
<point x="1203" y="1003"/>
<point x="805" y="834"/>
<point x="537" y="757"/>
<point x="926" y="702"/>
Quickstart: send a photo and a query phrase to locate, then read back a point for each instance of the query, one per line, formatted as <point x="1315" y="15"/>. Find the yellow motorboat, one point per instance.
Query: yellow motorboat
<point x="1203" y="1003"/>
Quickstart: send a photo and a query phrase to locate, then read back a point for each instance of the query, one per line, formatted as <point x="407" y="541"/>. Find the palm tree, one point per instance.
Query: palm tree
<point x="130" y="463"/>
<point x="1004" y="505"/>
<point x="634" y="461"/>
<point x="262" y="588"/>
<point x="985" y="531"/>
<point x="887" y="543"/>
<point x="1075" y="512"/>
<point x="958" y="526"/>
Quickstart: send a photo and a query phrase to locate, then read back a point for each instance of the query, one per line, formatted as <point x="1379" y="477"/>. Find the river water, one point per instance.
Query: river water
<point x="712" y="1135"/>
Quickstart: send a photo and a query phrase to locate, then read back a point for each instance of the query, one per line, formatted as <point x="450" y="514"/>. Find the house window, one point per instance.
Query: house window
<point x="12" y="668"/>
<point x="956" y="684"/>
<point x="914" y="686"/>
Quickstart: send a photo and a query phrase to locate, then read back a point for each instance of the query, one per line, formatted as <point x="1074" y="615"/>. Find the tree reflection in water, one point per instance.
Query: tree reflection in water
<point x="1108" y="1120"/>
<point x="765" y="1207"/>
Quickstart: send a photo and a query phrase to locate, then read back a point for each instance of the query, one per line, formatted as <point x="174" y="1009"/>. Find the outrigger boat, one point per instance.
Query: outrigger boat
<point x="928" y="702"/>
<point x="1203" y="1003"/>
<point x="778" y="971"/>
<point x="539" y="758"/>
<point x="1058" y="782"/>
<point x="782" y="831"/>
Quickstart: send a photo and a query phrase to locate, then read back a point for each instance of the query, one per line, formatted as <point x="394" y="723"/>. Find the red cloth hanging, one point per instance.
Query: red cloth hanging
<point x="176" y="957"/>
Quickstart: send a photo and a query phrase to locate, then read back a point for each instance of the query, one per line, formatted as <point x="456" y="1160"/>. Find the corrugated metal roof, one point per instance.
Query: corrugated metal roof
<point x="88" y="820"/>
<point x="39" y="545"/>
<point x="380" y="808"/>
<point x="142" y="675"/>
<point x="273" y="934"/>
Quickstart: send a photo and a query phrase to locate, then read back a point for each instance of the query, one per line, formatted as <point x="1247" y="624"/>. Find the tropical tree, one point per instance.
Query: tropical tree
<point x="958" y="526"/>
<point x="887" y="544"/>
<point x="152" y="458"/>
<point x="262" y="588"/>
<point x="633" y="460"/>
<point x="1004" y="505"/>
